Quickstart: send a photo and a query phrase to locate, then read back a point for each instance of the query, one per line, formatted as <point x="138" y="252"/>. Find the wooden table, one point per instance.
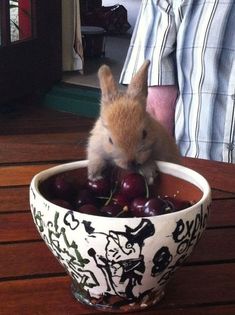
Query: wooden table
<point x="33" y="282"/>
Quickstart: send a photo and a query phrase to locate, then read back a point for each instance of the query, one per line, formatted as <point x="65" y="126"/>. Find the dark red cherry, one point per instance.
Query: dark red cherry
<point x="111" y="210"/>
<point x="120" y="200"/>
<point x="88" y="209"/>
<point x="137" y="206"/>
<point x="83" y="197"/>
<point x="62" y="187"/>
<point x="133" y="185"/>
<point x="46" y="188"/>
<point x="100" y="187"/>
<point x="177" y="204"/>
<point x="154" y="206"/>
<point x="62" y="203"/>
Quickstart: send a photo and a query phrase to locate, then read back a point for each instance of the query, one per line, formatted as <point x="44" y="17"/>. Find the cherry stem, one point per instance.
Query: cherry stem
<point x="146" y="184"/>
<point x="111" y="194"/>
<point x="125" y="209"/>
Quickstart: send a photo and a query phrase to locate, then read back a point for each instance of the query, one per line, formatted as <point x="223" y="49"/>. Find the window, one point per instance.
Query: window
<point x="16" y="21"/>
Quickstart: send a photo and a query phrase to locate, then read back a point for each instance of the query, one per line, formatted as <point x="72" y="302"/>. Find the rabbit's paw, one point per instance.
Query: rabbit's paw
<point x="95" y="169"/>
<point x="149" y="170"/>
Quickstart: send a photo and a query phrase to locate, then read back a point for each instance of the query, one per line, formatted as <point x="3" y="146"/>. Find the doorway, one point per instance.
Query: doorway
<point x="116" y="47"/>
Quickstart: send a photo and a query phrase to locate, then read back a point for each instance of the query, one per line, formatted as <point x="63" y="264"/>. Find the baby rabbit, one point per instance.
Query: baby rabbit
<point x="125" y="134"/>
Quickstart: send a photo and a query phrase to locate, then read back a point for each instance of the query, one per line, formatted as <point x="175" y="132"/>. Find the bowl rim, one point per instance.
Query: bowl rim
<point x="169" y="168"/>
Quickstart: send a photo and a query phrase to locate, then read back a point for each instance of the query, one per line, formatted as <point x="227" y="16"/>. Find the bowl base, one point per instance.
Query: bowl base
<point x="115" y="304"/>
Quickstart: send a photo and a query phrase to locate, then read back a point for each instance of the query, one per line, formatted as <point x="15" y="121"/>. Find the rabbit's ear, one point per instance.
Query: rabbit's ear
<point x="107" y="84"/>
<point x="138" y="86"/>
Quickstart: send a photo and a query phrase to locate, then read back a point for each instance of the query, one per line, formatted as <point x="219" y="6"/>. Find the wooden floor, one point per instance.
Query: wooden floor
<point x="32" y="139"/>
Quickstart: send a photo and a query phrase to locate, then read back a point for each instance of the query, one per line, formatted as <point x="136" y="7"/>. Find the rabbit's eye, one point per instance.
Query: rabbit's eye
<point x="110" y="140"/>
<point x="144" y="134"/>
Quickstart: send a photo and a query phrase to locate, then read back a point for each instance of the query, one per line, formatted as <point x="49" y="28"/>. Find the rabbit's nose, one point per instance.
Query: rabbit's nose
<point x="132" y="164"/>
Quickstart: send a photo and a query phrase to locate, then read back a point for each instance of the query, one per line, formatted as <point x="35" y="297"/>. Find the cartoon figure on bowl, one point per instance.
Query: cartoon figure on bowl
<point x="123" y="262"/>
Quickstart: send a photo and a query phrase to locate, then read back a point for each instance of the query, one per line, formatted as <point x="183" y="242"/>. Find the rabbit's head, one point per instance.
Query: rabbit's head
<point x="127" y="135"/>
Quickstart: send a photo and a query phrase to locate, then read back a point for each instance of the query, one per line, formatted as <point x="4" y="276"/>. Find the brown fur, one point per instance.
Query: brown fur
<point x="125" y="133"/>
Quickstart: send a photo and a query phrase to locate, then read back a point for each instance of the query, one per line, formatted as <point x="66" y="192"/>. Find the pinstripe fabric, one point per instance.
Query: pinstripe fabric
<point x="191" y="43"/>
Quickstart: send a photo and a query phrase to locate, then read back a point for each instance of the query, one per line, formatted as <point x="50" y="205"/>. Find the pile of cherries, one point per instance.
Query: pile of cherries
<point x="129" y="196"/>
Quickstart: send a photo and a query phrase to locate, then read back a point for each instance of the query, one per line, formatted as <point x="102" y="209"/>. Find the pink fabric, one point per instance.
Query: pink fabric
<point x="161" y="103"/>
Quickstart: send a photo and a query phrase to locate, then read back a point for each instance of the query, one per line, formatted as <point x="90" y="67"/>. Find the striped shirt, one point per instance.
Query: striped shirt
<point x="191" y="43"/>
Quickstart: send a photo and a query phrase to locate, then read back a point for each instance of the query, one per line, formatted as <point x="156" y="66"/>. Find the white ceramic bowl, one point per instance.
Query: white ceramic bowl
<point x="122" y="264"/>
